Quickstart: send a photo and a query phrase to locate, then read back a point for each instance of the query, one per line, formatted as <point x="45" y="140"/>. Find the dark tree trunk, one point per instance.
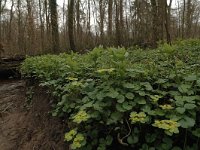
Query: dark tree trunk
<point x="167" y="20"/>
<point x="54" y="26"/>
<point x="154" y="23"/>
<point x="183" y="20"/>
<point x="41" y="25"/>
<point x="189" y="18"/>
<point x="10" y="24"/>
<point x="110" y="11"/>
<point x="101" y="10"/>
<point x="71" y="24"/>
<point x="117" y="24"/>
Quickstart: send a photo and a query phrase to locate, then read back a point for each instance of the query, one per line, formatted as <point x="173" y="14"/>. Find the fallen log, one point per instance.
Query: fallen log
<point x="10" y="66"/>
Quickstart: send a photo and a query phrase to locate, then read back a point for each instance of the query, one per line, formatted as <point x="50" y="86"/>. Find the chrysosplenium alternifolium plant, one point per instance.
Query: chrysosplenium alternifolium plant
<point x="113" y="97"/>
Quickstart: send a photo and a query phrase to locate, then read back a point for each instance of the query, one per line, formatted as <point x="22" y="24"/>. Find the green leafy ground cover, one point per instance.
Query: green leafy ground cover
<point x="116" y="98"/>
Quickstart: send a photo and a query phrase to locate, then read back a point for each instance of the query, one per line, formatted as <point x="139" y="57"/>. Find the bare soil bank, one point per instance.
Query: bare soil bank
<point x="27" y="129"/>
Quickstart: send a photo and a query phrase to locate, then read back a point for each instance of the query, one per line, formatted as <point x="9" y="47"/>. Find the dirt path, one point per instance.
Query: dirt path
<point x="11" y="114"/>
<point x="27" y="129"/>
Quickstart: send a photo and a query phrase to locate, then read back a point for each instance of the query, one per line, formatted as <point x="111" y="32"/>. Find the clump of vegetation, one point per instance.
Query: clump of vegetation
<point x="147" y="100"/>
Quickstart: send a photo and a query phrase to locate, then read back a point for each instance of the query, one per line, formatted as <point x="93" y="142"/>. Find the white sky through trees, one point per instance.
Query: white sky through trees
<point x="60" y="2"/>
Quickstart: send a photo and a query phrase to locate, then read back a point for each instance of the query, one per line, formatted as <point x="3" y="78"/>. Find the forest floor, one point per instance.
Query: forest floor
<point x="26" y="126"/>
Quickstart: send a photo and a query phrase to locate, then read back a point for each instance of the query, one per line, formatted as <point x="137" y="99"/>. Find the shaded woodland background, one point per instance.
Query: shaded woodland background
<point x="31" y="27"/>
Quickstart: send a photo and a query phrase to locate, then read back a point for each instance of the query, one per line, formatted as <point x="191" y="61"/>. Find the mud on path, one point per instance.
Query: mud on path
<point x="27" y="128"/>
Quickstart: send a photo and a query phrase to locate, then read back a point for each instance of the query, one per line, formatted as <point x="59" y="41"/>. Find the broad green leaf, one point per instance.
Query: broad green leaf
<point x="198" y="82"/>
<point x="120" y="108"/>
<point x="184" y="88"/>
<point x="132" y="103"/>
<point x="189" y="106"/>
<point x="176" y="148"/>
<point x="141" y="101"/>
<point x="109" y="140"/>
<point x="127" y="106"/>
<point x="191" y="78"/>
<point x="174" y="93"/>
<point x="141" y="93"/>
<point x="146" y="108"/>
<point x="159" y="112"/>
<point x="145" y="147"/>
<point x="179" y="98"/>
<point x="112" y="94"/>
<point x="72" y="105"/>
<point x="179" y="103"/>
<point x="130" y="95"/>
<point x="168" y="141"/>
<point x="150" y="138"/>
<point x="189" y="99"/>
<point x="120" y="98"/>
<point x="133" y="139"/>
<point x="96" y="115"/>
<point x="116" y="116"/>
<point x="97" y="107"/>
<point x="65" y="108"/>
<point x="148" y="86"/>
<point x="196" y="132"/>
<point x="88" y="105"/>
<point x="180" y="110"/>
<point x="100" y="95"/>
<point x="129" y="85"/>
<point x="187" y="122"/>
<point x="165" y="146"/>
<point x="101" y="147"/>
<point x="161" y="81"/>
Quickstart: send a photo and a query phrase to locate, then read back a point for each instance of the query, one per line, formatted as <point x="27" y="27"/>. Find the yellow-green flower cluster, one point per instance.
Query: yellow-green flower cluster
<point x="70" y="135"/>
<point x="78" y="141"/>
<point x="138" y="117"/>
<point x="72" y="79"/>
<point x="76" y="83"/>
<point x="155" y="98"/>
<point x="169" y="126"/>
<point x="106" y="70"/>
<point x="179" y="63"/>
<point x="166" y="107"/>
<point x="81" y="116"/>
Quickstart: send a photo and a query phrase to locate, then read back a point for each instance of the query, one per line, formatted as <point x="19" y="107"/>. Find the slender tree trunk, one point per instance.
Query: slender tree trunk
<point x="1" y="45"/>
<point x="183" y="20"/>
<point x="20" y="28"/>
<point x="54" y="26"/>
<point x="89" y="19"/>
<point x="0" y="20"/>
<point x="78" y="28"/>
<point x="110" y="19"/>
<point x="117" y="24"/>
<point x="41" y="25"/>
<point x="154" y="23"/>
<point x="101" y="9"/>
<point x="2" y="6"/>
<point x="10" y="24"/>
<point x="179" y="20"/>
<point x="121" y="16"/>
<point x="30" y="26"/>
<point x="188" y="19"/>
<point x="161" y="18"/>
<point x="71" y="24"/>
<point x="47" y="19"/>
<point x="167" y="20"/>
<point x="78" y="17"/>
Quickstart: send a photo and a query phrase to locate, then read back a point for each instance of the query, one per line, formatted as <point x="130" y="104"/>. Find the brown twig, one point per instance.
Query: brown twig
<point x="121" y="140"/>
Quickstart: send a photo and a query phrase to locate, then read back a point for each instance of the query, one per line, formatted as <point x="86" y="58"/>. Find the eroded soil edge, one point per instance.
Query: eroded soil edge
<point x="27" y="129"/>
